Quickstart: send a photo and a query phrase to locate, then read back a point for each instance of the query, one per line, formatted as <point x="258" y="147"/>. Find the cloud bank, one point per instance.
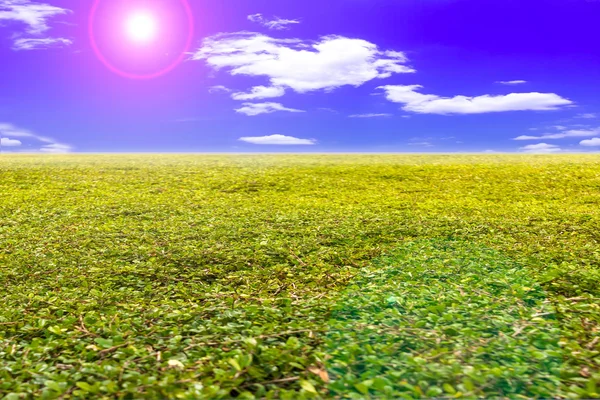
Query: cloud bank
<point x="260" y="92"/>
<point x="300" y="65"/>
<point x="334" y="61"/>
<point x="571" y="133"/>
<point x="48" y="145"/>
<point x="541" y="148"/>
<point x="252" y="109"/>
<point x="277" y="140"/>
<point x="7" y="142"/>
<point x="35" y="17"/>
<point x="433" y="104"/>
<point x="40" y="43"/>
<point x="590" y="142"/>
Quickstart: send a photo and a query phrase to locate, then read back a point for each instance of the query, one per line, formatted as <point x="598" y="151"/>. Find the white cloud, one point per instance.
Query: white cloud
<point x="56" y="148"/>
<point x="34" y="15"/>
<point x="511" y="82"/>
<point x="260" y="92"/>
<point x="432" y="104"/>
<point x="590" y="142"/>
<point x="563" y="134"/>
<point x="8" y="131"/>
<point x="587" y="116"/>
<point x="277" y="24"/>
<point x="369" y="115"/>
<point x="541" y="148"/>
<point x="560" y="127"/>
<point x="7" y="142"/>
<point x="424" y="144"/>
<point x="253" y="109"/>
<point x="302" y="66"/>
<point x="529" y="137"/>
<point x="278" y="140"/>
<point x="40" y="43"/>
<point x="218" y="89"/>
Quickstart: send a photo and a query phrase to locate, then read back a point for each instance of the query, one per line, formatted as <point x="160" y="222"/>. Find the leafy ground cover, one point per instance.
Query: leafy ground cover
<point x="223" y="276"/>
<point x="444" y="319"/>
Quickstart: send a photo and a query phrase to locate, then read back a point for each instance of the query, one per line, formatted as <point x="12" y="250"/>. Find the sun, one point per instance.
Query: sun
<point x="141" y="27"/>
<point x="141" y="39"/>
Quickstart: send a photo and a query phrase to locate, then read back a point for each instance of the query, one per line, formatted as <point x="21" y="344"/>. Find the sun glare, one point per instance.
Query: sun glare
<point x="141" y="27"/>
<point x="151" y="37"/>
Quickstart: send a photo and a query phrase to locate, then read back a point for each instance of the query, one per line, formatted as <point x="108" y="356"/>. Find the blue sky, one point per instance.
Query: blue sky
<point x="309" y="76"/>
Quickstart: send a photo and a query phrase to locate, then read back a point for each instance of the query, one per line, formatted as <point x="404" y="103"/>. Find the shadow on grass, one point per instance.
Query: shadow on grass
<point x="444" y="318"/>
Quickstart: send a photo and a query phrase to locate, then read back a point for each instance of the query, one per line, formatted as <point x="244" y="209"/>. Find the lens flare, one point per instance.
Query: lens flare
<point x="141" y="39"/>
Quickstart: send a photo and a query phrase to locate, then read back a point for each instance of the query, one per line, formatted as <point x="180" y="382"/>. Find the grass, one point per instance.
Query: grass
<point x="445" y="318"/>
<point x="250" y="276"/>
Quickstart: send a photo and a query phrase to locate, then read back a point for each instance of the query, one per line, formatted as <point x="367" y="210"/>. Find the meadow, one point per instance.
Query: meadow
<point x="299" y="276"/>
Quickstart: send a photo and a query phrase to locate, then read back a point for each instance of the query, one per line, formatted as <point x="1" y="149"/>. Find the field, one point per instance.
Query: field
<point x="292" y="276"/>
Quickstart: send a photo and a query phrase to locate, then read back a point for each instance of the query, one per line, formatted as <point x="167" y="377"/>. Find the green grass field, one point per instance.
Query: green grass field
<point x="288" y="276"/>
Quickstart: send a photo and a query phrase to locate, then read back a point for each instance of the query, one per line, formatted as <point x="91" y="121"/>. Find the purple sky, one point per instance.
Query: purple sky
<point x="300" y="76"/>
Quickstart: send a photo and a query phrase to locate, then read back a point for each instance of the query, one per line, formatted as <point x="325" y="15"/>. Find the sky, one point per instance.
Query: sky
<point x="299" y="76"/>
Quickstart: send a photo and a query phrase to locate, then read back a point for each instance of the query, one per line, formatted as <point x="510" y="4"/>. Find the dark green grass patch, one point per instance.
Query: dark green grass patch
<point x="444" y="318"/>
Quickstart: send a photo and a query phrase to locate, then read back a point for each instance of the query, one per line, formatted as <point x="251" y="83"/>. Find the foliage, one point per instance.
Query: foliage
<point x="445" y="318"/>
<point x="215" y="276"/>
